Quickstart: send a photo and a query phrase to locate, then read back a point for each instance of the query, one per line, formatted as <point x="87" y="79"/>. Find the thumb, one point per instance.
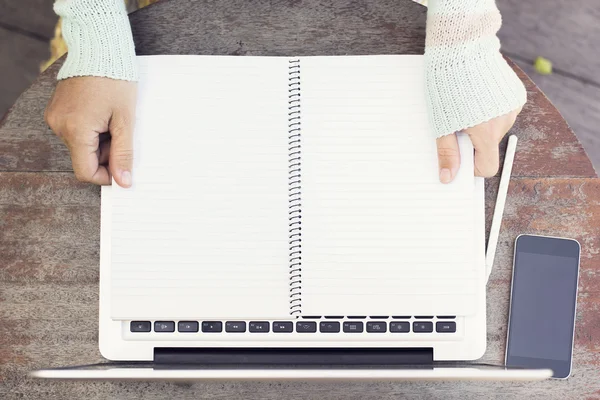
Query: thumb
<point x="448" y="157"/>
<point x="121" y="149"/>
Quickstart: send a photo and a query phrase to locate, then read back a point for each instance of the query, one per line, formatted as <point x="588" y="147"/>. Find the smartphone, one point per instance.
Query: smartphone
<point x="543" y="300"/>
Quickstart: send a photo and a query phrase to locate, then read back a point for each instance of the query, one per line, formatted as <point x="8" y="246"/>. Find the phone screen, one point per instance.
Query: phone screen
<point x="543" y="304"/>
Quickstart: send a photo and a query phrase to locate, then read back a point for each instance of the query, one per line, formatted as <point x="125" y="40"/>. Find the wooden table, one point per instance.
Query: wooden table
<point x="49" y="223"/>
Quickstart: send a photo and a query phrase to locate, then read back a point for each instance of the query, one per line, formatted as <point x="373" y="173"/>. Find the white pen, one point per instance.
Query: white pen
<point x="499" y="208"/>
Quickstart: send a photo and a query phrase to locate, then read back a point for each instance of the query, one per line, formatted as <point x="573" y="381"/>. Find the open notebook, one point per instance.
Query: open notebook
<point x="272" y="187"/>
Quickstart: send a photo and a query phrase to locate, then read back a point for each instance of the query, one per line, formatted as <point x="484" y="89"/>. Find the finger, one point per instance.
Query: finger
<point x="487" y="155"/>
<point x="448" y="157"/>
<point x="104" y="151"/>
<point x="121" y="149"/>
<point x="84" y="157"/>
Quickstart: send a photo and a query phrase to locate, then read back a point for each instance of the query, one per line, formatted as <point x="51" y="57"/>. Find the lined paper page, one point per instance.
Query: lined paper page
<point x="380" y="234"/>
<point x="203" y="231"/>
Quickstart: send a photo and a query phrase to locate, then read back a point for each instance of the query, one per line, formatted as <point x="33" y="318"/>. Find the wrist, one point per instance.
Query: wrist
<point x="99" y="39"/>
<point x="470" y="87"/>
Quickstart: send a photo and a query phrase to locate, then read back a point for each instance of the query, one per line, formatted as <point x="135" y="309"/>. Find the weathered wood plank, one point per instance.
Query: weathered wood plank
<point x="49" y="260"/>
<point x="33" y="150"/>
<point x="20" y="57"/>
<point x="28" y="110"/>
<point x="34" y="16"/>
<point x="565" y="31"/>
<point x="46" y="190"/>
<point x="578" y="102"/>
<point x="544" y="135"/>
<point x="49" y="228"/>
<point x="280" y="28"/>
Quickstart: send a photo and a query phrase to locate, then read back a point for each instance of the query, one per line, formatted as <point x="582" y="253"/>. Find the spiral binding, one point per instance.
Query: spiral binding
<point x="295" y="187"/>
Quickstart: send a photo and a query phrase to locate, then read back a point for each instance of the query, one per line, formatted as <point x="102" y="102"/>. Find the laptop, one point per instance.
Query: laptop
<point x="142" y="350"/>
<point x="322" y="253"/>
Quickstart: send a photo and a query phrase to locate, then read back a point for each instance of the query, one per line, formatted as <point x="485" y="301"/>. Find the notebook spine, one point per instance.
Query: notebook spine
<point x="295" y="186"/>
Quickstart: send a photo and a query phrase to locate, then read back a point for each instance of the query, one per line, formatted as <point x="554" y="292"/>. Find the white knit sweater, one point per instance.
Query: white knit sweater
<point x="468" y="80"/>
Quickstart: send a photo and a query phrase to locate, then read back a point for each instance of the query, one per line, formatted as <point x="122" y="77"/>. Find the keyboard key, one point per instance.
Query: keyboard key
<point x="445" y="326"/>
<point x="401" y="316"/>
<point x="446" y="316"/>
<point x="140" y="326"/>
<point x="187" y="326"/>
<point x="306" y="327"/>
<point x="235" y="326"/>
<point x="353" y="327"/>
<point x="376" y="327"/>
<point x="212" y="326"/>
<point x="164" y="326"/>
<point x="259" y="326"/>
<point x="329" y="327"/>
<point x="425" y="327"/>
<point x="400" y="326"/>
<point x="285" y="326"/>
<point x="424" y="317"/>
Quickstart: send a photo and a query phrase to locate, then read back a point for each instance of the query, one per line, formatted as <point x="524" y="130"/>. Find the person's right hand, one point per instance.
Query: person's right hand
<point x="81" y="112"/>
<point x="486" y="139"/>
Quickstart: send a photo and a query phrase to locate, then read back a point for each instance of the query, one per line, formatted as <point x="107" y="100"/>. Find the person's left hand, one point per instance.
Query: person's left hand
<point x="486" y="138"/>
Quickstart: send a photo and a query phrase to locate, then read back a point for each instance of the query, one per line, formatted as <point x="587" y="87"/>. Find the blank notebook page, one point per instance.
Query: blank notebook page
<point x="380" y="234"/>
<point x="203" y="232"/>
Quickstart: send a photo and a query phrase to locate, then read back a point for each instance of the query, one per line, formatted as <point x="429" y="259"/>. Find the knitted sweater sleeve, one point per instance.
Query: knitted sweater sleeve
<point x="98" y="36"/>
<point x="468" y="81"/>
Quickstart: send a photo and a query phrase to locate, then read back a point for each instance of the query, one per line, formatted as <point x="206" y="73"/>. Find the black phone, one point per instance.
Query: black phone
<point x="543" y="301"/>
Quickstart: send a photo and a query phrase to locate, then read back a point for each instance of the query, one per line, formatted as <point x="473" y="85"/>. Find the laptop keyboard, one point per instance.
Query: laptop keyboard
<point x="307" y="325"/>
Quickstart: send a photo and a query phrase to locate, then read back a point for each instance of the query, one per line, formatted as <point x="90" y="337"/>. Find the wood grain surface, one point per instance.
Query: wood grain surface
<point x="49" y="223"/>
<point x="566" y="32"/>
<point x="557" y="29"/>
<point x="26" y="27"/>
<point x="16" y="67"/>
<point x="579" y="102"/>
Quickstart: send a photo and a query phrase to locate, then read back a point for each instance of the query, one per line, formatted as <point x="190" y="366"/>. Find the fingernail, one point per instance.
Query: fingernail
<point x="445" y="175"/>
<point x="126" y="178"/>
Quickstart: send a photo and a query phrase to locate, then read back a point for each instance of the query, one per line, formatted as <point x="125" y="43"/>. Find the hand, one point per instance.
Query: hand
<point x="82" y="111"/>
<point x="485" y="137"/>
